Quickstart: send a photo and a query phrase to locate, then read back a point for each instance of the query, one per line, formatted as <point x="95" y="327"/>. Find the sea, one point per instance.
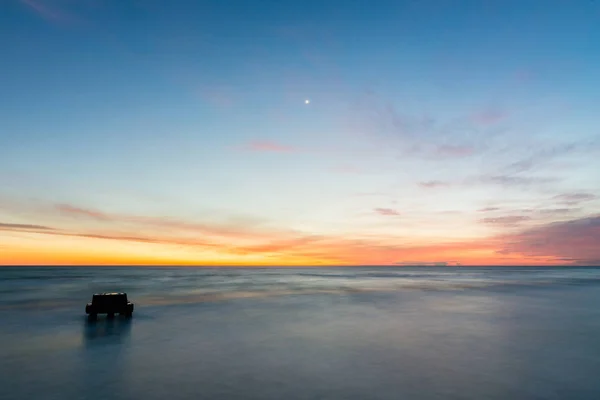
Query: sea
<point x="302" y="333"/>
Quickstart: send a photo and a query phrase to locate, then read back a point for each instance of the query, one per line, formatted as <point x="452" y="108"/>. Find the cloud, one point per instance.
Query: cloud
<point x="275" y="242"/>
<point x="241" y="240"/>
<point x="218" y="96"/>
<point x="412" y="135"/>
<point x="6" y="226"/>
<point x="433" y="184"/>
<point x="45" y="230"/>
<point x="55" y="10"/>
<point x="454" y="151"/>
<point x="555" y="211"/>
<point x="576" y="240"/>
<point x="489" y="117"/>
<point x="488" y="209"/>
<point x="44" y="10"/>
<point x="269" y="147"/>
<point x="240" y="228"/>
<point x="347" y="169"/>
<point x="76" y="211"/>
<point x="512" y="180"/>
<point x="545" y="154"/>
<point x="509" y="220"/>
<point x="386" y="211"/>
<point x="572" y="199"/>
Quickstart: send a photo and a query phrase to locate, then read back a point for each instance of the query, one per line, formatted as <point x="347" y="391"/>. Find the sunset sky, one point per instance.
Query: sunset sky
<point x="179" y="132"/>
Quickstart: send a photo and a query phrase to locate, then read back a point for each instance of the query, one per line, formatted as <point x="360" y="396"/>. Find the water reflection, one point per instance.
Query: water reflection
<point x="103" y="330"/>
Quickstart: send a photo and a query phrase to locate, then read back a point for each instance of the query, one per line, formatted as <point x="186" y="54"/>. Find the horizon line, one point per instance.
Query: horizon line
<point x="290" y="266"/>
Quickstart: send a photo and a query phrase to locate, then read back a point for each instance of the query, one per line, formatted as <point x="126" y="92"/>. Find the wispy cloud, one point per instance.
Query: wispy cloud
<point x="55" y="11"/>
<point x="413" y="135"/>
<point x="454" y="151"/>
<point x="544" y="154"/>
<point x="433" y="184"/>
<point x="46" y="11"/>
<point x="81" y="212"/>
<point x="269" y="147"/>
<point x="218" y="96"/>
<point x="489" y="116"/>
<point x="6" y="226"/>
<point x="240" y="229"/>
<point x="46" y="230"/>
<point x="573" y="199"/>
<point x="347" y="169"/>
<point x="386" y="211"/>
<point x="489" y="209"/>
<point x="514" y="180"/>
<point x="555" y="211"/>
<point x="507" y="221"/>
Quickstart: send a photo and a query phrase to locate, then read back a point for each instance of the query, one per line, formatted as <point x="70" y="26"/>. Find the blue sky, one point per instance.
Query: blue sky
<point x="421" y="114"/>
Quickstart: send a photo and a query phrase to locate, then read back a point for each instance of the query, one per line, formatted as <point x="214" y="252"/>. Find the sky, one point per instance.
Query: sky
<point x="330" y="132"/>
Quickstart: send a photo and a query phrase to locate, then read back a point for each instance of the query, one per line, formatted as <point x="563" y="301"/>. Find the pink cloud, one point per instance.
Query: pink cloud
<point x="509" y="220"/>
<point x="432" y="184"/>
<point x="347" y="169"/>
<point x="386" y="211"/>
<point x="269" y="147"/>
<point x="524" y="75"/>
<point x="454" y="150"/>
<point x="489" y="209"/>
<point x="219" y="97"/>
<point x="577" y="241"/>
<point x="489" y="117"/>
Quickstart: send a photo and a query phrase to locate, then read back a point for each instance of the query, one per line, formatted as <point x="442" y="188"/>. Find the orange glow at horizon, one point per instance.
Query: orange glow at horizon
<point x="89" y="251"/>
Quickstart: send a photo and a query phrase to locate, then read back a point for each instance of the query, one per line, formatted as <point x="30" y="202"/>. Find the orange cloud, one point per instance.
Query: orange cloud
<point x="386" y="211"/>
<point x="76" y="211"/>
<point x="238" y="230"/>
<point x="155" y="240"/>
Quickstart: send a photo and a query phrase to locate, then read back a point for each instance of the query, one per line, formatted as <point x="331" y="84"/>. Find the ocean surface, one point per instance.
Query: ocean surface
<point x="302" y="333"/>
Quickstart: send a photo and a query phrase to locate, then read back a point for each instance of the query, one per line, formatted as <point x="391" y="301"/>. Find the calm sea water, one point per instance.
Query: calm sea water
<point x="312" y="333"/>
